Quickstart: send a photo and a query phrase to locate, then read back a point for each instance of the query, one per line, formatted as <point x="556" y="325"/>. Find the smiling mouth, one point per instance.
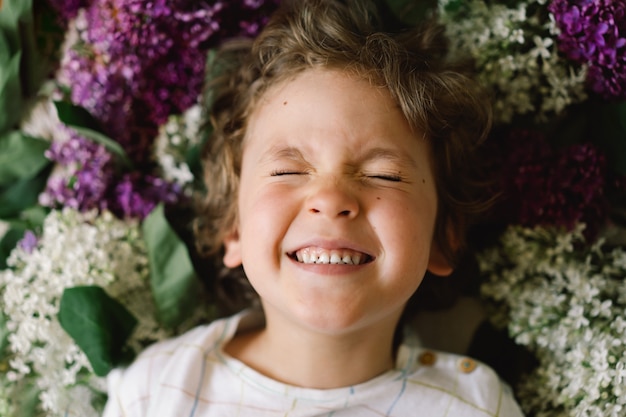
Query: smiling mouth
<point x="330" y="257"/>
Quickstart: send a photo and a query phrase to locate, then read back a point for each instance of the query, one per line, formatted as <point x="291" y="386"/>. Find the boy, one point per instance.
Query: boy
<point x="336" y="178"/>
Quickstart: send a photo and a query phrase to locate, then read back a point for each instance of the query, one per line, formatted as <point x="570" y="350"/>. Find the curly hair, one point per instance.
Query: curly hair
<point x="438" y="98"/>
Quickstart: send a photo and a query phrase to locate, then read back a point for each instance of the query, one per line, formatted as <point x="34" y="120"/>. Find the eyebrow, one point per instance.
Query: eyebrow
<point x="281" y="152"/>
<point x="392" y="155"/>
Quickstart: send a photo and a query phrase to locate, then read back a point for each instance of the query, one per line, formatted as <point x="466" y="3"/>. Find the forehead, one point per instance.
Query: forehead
<point x="323" y="78"/>
<point x="303" y="116"/>
<point x="327" y="100"/>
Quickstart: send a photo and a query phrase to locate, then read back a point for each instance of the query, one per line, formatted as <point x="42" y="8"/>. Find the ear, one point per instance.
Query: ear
<point x="232" y="249"/>
<point x="438" y="263"/>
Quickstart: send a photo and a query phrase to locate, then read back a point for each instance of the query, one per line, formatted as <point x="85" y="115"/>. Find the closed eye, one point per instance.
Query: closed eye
<point x="386" y="177"/>
<point x="279" y="173"/>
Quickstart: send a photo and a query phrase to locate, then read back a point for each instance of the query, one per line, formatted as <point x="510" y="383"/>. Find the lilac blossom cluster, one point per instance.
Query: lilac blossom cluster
<point x="67" y="9"/>
<point x="88" y="179"/>
<point x="593" y="32"/>
<point x="562" y="297"/>
<point x="132" y="64"/>
<point x="138" y="61"/>
<point x="135" y="195"/>
<point x="81" y="182"/>
<point x="545" y="185"/>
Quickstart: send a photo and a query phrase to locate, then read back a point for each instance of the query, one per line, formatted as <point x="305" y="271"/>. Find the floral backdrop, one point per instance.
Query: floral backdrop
<point x="100" y="102"/>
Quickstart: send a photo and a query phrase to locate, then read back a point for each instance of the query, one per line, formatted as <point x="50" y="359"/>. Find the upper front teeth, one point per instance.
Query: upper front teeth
<point x="308" y="256"/>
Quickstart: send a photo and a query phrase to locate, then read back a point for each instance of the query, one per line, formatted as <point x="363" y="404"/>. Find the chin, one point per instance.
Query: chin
<point x="337" y="319"/>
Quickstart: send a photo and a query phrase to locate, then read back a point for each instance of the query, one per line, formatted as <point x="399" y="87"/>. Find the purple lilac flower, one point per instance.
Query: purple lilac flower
<point x="146" y="60"/>
<point x="137" y="63"/>
<point x="86" y="173"/>
<point x="68" y="9"/>
<point x="245" y="17"/>
<point x="136" y="195"/>
<point x="29" y="242"/>
<point x="545" y="185"/>
<point x="593" y="32"/>
<point x="88" y="179"/>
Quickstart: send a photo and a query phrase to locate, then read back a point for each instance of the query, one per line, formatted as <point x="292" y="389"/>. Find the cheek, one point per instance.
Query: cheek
<point x="264" y="218"/>
<point x="406" y="227"/>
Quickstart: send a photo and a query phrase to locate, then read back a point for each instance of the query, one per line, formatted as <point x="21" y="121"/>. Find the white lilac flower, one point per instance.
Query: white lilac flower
<point x="176" y="137"/>
<point x="562" y="298"/>
<point x="515" y="54"/>
<point x="74" y="249"/>
<point x="42" y="120"/>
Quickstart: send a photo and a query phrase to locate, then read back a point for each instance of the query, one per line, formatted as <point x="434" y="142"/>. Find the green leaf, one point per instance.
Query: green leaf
<point x="22" y="194"/>
<point x="76" y="116"/>
<point x="5" y="51"/>
<point x="13" y="11"/>
<point x="99" y="325"/>
<point x="454" y="6"/>
<point x="14" y="15"/>
<point x="34" y="69"/>
<point x="86" y="125"/>
<point x="21" y="157"/>
<point x="173" y="279"/>
<point x="19" y="69"/>
<point x="111" y="145"/>
<point x="9" y="241"/>
<point x="31" y="218"/>
<point x="10" y="94"/>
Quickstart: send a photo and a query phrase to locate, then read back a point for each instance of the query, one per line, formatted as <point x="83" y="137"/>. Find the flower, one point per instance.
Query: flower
<point x="85" y="172"/>
<point x="133" y="65"/>
<point x="138" y="62"/>
<point x="175" y="139"/>
<point x="136" y="195"/>
<point x="68" y="9"/>
<point x="87" y="177"/>
<point x="90" y="248"/>
<point x="138" y="67"/>
<point x="548" y="185"/>
<point x="245" y="17"/>
<point x="28" y="242"/>
<point x="42" y="120"/>
<point x="593" y="32"/>
<point x="74" y="249"/>
<point x="564" y="298"/>
<point x="515" y="55"/>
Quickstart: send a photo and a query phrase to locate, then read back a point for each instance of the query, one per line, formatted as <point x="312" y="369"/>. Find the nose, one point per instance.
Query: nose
<point x="333" y="199"/>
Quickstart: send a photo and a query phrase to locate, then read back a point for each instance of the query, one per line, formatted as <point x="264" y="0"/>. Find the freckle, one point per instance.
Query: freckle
<point x="284" y="103"/>
<point x="377" y="198"/>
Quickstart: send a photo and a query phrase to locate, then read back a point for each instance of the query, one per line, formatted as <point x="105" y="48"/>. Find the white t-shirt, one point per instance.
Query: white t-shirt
<point x="192" y="376"/>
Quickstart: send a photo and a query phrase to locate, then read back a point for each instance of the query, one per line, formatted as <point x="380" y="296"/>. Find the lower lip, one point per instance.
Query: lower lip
<point x="329" y="269"/>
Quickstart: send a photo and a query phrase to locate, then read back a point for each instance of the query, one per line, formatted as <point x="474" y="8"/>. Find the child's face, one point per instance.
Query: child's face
<point x="332" y="170"/>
